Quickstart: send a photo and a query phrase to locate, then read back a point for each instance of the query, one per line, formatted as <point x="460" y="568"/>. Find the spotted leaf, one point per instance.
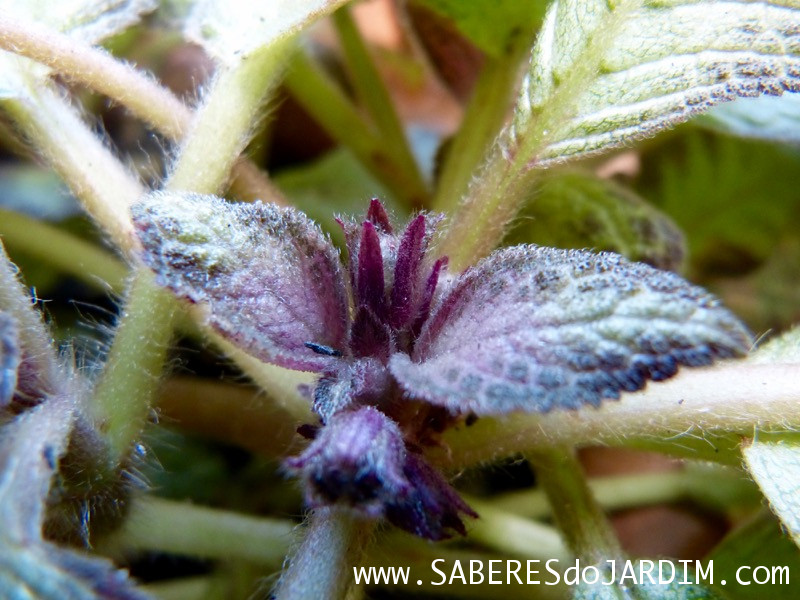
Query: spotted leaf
<point x="270" y="279"/>
<point x="534" y="329"/>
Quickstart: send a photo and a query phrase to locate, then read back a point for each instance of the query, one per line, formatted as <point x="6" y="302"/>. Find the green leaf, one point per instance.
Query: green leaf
<point x="759" y="542"/>
<point x="579" y="210"/>
<point x="490" y="24"/>
<point x="775" y="466"/>
<point x="782" y="349"/>
<point x="230" y="30"/>
<point x="604" y="74"/>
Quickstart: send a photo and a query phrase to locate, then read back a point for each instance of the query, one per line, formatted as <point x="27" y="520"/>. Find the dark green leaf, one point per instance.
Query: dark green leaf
<point x="579" y="210"/>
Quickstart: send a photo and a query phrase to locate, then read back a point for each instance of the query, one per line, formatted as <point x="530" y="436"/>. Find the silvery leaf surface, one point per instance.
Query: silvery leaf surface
<point x="269" y="279"/>
<point x="605" y="74"/>
<point x="230" y="30"/>
<point x="534" y="329"/>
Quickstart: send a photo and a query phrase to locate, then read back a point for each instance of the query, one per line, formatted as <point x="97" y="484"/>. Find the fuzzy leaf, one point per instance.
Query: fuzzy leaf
<point x="270" y="279"/>
<point x="604" y="74"/>
<point x="31" y="568"/>
<point x="775" y="466"/>
<point x="580" y="210"/>
<point x="533" y="329"/>
<point x="230" y="30"/>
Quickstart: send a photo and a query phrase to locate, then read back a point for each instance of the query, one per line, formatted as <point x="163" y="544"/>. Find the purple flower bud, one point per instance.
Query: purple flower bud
<point x="360" y="459"/>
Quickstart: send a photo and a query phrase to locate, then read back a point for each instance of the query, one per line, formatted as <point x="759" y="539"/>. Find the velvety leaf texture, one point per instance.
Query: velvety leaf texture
<point x="604" y="74"/>
<point x="533" y="329"/>
<point x="271" y="280"/>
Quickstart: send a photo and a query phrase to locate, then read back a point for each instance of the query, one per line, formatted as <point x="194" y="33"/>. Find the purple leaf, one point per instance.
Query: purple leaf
<point x="371" y="292"/>
<point x="270" y="279"/>
<point x="533" y="329"/>
<point x="376" y="214"/>
<point x="406" y="272"/>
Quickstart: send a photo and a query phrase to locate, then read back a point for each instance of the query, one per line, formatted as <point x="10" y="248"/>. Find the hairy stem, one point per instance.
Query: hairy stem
<point x="375" y="97"/>
<point x="144" y="97"/>
<point x="57" y="132"/>
<point x="222" y="125"/>
<point x="123" y="394"/>
<point x="734" y="398"/>
<point x="583" y="524"/>
<point x="322" y="567"/>
<point x="63" y="251"/>
<point x="327" y="104"/>
<point x="186" y="529"/>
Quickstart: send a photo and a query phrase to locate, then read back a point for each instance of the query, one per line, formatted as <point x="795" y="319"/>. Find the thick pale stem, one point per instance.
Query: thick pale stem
<point x="582" y="522"/>
<point x="223" y="124"/>
<point x="186" y="529"/>
<point x="123" y="393"/>
<point x="374" y="95"/>
<point x="515" y="535"/>
<point x="491" y="203"/>
<point x="145" y="98"/>
<point x="322" y="567"/>
<point x="735" y="398"/>
<point x="56" y="130"/>
<point x="63" y="251"/>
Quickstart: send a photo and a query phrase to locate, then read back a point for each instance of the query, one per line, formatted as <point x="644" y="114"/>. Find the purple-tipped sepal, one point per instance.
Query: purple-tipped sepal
<point x="359" y="459"/>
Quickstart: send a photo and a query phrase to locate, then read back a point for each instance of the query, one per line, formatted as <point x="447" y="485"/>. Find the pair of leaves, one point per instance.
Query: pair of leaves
<point x="606" y="74"/>
<point x="529" y="328"/>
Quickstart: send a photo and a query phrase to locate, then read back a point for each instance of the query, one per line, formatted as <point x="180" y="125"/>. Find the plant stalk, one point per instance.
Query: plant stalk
<point x="586" y="530"/>
<point x="322" y="567"/>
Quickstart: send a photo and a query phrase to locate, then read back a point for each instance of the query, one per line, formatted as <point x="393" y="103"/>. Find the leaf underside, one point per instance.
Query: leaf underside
<point x="602" y="77"/>
<point x="534" y="329"/>
<point x="270" y="280"/>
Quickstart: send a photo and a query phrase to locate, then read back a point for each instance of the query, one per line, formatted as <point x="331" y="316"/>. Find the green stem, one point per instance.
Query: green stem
<point x="583" y="523"/>
<point x="189" y="530"/>
<point x="124" y="391"/>
<point x="734" y="398"/>
<point x="145" y="98"/>
<point x="328" y="105"/>
<point x="223" y="124"/>
<point x="322" y="567"/>
<point x="56" y="130"/>
<point x="488" y="108"/>
<point x="612" y="493"/>
<point x="373" y="94"/>
<point x="63" y="251"/>
<point x="515" y="535"/>
<point x="491" y="202"/>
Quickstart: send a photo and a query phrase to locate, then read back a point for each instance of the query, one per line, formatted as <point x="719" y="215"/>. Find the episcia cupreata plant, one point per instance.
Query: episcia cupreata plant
<point x="425" y="329"/>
